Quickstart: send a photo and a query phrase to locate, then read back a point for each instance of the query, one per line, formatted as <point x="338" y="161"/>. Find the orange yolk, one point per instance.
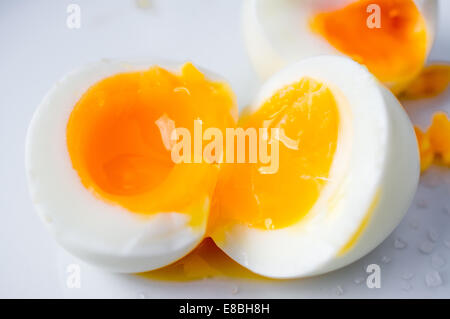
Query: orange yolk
<point x="439" y="133"/>
<point x="117" y="139"/>
<point x="205" y="261"/>
<point x="307" y="116"/>
<point x="434" y="145"/>
<point x="394" y="52"/>
<point x="433" y="80"/>
<point x="425" y="150"/>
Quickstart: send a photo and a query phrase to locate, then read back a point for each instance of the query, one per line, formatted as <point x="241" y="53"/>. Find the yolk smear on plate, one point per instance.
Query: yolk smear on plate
<point x="434" y="144"/>
<point x="433" y="80"/>
<point x="118" y="138"/>
<point x="307" y="117"/>
<point x="205" y="261"/>
<point x="393" y="50"/>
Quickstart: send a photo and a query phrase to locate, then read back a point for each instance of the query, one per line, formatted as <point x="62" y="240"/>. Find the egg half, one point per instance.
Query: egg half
<point x="99" y="165"/>
<point x="391" y="37"/>
<point x="348" y="169"/>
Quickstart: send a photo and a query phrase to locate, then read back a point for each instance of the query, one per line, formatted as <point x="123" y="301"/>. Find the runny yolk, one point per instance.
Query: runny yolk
<point x="307" y="117"/>
<point x="205" y="261"/>
<point x="391" y="41"/>
<point x="117" y="138"/>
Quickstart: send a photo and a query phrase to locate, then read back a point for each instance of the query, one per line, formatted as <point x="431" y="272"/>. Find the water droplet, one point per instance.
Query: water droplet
<point x="438" y="261"/>
<point x="339" y="290"/>
<point x="433" y="235"/>
<point x="399" y="243"/>
<point x="433" y="279"/>
<point x="386" y="259"/>
<point x="406" y="286"/>
<point x="446" y="210"/>
<point x="235" y="290"/>
<point x="447" y="243"/>
<point x="407" y="275"/>
<point x="358" y="280"/>
<point x="426" y="247"/>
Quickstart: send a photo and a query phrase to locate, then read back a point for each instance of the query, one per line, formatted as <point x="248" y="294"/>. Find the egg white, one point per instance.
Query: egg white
<point x="376" y="164"/>
<point x="98" y="232"/>
<point x="277" y="32"/>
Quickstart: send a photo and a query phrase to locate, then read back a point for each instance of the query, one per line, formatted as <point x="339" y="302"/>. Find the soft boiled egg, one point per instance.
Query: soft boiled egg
<point x="391" y="38"/>
<point x="340" y="169"/>
<point x="99" y="164"/>
<point x="348" y="169"/>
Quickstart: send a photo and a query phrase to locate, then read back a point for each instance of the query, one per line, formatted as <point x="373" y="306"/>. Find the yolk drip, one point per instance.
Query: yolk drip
<point x="434" y="144"/>
<point x="394" y="52"/>
<point x="205" y="261"/>
<point x="308" y="118"/>
<point x="117" y="138"/>
<point x="433" y="80"/>
<point x="425" y="150"/>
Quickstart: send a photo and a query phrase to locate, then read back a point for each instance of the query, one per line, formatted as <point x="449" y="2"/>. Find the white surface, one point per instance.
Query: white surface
<point x="38" y="49"/>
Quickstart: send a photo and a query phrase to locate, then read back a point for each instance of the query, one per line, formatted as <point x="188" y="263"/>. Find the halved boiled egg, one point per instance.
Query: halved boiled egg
<point x="391" y="38"/>
<point x="348" y="167"/>
<point x="99" y="166"/>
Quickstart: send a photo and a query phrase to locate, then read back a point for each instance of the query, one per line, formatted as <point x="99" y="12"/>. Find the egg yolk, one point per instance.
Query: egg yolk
<point x="205" y="261"/>
<point x="434" y="144"/>
<point x="388" y="36"/>
<point x="425" y="150"/>
<point x="307" y="117"/>
<point x="432" y="81"/>
<point x="118" y="135"/>
<point x="439" y="133"/>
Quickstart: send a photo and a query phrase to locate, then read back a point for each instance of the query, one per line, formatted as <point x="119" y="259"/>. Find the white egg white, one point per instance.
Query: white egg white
<point x="98" y="232"/>
<point x="277" y="32"/>
<point x="374" y="174"/>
